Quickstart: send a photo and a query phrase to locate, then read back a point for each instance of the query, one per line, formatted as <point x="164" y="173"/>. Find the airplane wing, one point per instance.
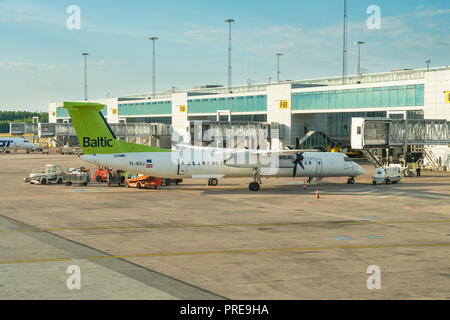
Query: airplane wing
<point x="270" y="153"/>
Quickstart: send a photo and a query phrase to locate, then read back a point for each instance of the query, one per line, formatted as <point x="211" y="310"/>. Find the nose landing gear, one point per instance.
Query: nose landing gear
<point x="351" y="180"/>
<point x="254" y="186"/>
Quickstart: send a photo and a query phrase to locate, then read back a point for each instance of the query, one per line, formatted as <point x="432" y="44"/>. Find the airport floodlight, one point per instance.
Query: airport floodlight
<point x="229" y="21"/>
<point x="154" y="65"/>
<point x="278" y="65"/>
<point x="428" y="64"/>
<point x="344" y="47"/>
<point x="85" y="54"/>
<point x="358" y="68"/>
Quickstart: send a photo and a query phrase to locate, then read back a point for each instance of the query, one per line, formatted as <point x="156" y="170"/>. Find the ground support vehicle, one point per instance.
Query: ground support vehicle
<point x="386" y="175"/>
<point x="101" y="174"/>
<point x="116" y="178"/>
<point x="143" y="182"/>
<point x="52" y="173"/>
<point x="80" y="176"/>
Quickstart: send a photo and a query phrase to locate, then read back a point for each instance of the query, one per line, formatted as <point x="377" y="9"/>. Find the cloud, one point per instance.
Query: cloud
<point x="206" y="35"/>
<point x="14" y="65"/>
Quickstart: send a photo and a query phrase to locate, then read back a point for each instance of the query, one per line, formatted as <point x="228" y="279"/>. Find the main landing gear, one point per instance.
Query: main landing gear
<point x="351" y="180"/>
<point x="213" y="182"/>
<point x="254" y="186"/>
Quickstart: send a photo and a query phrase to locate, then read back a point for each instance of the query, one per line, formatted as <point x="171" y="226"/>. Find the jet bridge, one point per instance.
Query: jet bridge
<point x="385" y="132"/>
<point x="375" y="136"/>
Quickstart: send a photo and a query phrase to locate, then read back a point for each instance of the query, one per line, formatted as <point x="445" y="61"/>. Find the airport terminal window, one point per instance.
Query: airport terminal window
<point x="234" y="104"/>
<point x="339" y="123"/>
<point x="394" y="96"/>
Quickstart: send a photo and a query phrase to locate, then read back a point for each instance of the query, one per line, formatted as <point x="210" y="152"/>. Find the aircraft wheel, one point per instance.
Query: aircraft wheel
<point x="374" y="182"/>
<point x="388" y="181"/>
<point x="139" y="185"/>
<point x="59" y="181"/>
<point x="351" y="181"/>
<point x="214" y="182"/>
<point x="43" y="181"/>
<point x="254" y="186"/>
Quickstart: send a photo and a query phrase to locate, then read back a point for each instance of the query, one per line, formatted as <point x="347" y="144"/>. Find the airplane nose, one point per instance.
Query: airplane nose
<point x="359" y="171"/>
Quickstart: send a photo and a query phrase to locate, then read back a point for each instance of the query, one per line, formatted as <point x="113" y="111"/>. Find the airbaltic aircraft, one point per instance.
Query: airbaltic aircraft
<point x="100" y="146"/>
<point x="7" y="144"/>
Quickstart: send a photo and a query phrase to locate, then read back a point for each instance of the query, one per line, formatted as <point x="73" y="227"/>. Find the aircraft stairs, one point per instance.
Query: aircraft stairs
<point x="315" y="139"/>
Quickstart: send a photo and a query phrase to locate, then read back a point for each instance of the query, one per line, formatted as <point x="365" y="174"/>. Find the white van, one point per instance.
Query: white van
<point x="387" y="175"/>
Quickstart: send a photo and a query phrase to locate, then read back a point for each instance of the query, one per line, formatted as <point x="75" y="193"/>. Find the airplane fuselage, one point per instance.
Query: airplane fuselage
<point x="16" y="143"/>
<point x="175" y="165"/>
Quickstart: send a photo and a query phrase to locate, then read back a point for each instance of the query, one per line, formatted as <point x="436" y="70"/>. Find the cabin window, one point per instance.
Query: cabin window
<point x="358" y="130"/>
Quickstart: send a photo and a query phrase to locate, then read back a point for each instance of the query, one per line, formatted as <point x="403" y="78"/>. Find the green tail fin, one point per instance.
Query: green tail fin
<point x="95" y="135"/>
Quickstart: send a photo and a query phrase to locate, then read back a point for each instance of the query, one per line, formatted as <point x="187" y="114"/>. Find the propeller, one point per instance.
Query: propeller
<point x="298" y="161"/>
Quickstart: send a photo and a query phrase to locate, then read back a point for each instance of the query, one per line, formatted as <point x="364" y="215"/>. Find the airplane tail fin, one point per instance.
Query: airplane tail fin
<point x="94" y="133"/>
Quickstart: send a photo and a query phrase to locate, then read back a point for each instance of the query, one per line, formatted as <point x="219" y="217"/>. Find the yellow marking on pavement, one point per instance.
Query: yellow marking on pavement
<point x="38" y="260"/>
<point x="234" y="251"/>
<point x="232" y="225"/>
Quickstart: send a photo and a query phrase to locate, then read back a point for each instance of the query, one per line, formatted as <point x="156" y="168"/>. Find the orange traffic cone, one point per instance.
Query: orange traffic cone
<point x="317" y="194"/>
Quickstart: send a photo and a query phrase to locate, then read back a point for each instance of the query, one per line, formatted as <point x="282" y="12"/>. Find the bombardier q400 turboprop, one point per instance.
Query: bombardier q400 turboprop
<point x="100" y="146"/>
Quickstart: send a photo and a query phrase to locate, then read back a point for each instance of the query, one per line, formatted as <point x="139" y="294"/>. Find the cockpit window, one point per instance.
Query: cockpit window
<point x="347" y="159"/>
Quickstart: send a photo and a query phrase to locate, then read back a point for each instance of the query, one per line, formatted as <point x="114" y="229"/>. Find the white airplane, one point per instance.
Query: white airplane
<point x="8" y="144"/>
<point x="101" y="147"/>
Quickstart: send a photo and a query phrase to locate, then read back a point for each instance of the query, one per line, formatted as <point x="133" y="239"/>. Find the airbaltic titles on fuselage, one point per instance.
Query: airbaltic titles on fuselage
<point x="99" y="142"/>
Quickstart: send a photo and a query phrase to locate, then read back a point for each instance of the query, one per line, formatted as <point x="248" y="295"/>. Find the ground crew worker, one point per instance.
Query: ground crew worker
<point x="415" y="167"/>
<point x="418" y="169"/>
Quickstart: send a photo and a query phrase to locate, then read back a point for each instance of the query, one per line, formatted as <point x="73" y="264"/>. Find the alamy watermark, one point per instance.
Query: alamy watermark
<point x="73" y="22"/>
<point x="374" y="281"/>
<point x="374" y="21"/>
<point x="74" y="280"/>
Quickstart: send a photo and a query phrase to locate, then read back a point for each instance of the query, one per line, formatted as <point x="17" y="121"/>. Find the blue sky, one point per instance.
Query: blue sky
<point x="41" y="62"/>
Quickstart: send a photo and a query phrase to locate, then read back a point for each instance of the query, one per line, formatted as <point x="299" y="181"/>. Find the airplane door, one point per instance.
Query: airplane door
<point x="181" y="168"/>
<point x="318" y="166"/>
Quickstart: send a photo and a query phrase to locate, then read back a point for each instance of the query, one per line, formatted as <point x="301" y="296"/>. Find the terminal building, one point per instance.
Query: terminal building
<point x="324" y="105"/>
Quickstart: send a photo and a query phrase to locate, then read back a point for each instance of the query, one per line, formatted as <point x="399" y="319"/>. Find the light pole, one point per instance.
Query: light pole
<point x="344" y="47"/>
<point x="85" y="54"/>
<point x="428" y="64"/>
<point x="278" y="65"/>
<point x="154" y="65"/>
<point x="229" y="21"/>
<point x="358" y="69"/>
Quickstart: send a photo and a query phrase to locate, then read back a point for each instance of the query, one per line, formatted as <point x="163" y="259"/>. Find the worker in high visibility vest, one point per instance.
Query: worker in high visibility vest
<point x="418" y="169"/>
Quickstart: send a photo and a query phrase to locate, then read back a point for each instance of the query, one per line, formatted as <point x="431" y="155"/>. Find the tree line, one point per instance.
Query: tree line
<point x="19" y="116"/>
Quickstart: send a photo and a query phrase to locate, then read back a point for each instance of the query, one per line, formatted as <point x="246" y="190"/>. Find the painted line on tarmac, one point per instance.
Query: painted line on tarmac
<point x="233" y="251"/>
<point x="231" y="225"/>
<point x="37" y="260"/>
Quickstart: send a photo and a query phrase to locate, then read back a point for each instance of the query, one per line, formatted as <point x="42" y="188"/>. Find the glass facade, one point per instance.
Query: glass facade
<point x="339" y="124"/>
<point x="235" y="104"/>
<point x="165" y="120"/>
<point x="394" y="96"/>
<point x="249" y="117"/>
<point x="145" y="108"/>
<point x="63" y="113"/>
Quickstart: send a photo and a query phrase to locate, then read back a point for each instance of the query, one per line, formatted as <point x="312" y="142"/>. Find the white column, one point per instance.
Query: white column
<point x="436" y="84"/>
<point x="279" y="109"/>
<point x="180" y="117"/>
